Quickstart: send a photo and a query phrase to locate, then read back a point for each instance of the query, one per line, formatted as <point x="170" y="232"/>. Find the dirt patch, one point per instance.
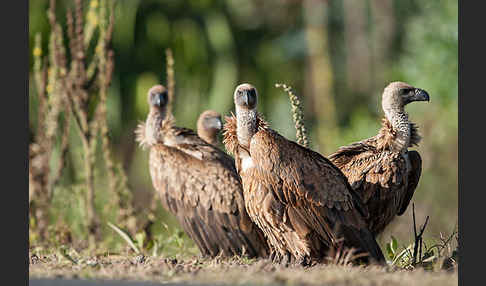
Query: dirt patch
<point x="226" y="271"/>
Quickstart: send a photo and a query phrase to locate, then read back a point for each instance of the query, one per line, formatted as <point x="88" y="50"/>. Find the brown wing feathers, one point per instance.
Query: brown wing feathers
<point x="380" y="168"/>
<point x="198" y="184"/>
<point x="206" y="199"/>
<point x="316" y="194"/>
<point x="413" y="179"/>
<point x="279" y="192"/>
<point x="300" y="200"/>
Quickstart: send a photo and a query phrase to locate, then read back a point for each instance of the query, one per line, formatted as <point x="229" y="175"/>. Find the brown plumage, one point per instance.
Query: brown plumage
<point x="300" y="200"/>
<point x="380" y="168"/>
<point x="198" y="184"/>
<point x="208" y="126"/>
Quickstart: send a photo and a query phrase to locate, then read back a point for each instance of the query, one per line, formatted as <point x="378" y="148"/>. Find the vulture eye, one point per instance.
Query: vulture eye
<point x="405" y="91"/>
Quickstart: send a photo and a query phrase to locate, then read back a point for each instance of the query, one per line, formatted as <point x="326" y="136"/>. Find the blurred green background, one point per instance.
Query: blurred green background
<point x="337" y="55"/>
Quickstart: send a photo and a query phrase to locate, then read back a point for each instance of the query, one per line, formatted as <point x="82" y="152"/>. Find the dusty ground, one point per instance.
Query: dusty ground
<point x="228" y="271"/>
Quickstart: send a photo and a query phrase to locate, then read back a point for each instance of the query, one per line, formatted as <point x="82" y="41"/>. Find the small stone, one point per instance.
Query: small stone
<point x="139" y="259"/>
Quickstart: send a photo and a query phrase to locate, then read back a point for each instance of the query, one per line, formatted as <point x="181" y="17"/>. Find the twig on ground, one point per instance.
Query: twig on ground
<point x="418" y="238"/>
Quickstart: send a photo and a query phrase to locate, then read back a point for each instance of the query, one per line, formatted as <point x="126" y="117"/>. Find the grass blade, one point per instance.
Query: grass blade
<point x="125" y="236"/>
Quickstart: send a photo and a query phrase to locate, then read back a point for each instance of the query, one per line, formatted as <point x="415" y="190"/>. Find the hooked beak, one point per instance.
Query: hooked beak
<point x="249" y="99"/>
<point x="246" y="99"/>
<point x="421" y="95"/>
<point x="216" y="123"/>
<point x="157" y="100"/>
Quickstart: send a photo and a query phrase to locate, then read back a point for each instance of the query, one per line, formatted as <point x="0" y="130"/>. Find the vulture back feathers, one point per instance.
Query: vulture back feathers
<point x="301" y="201"/>
<point x="198" y="183"/>
<point x="380" y="168"/>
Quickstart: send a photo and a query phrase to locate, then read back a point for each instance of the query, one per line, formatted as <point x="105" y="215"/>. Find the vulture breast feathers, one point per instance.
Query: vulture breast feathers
<point x="300" y="200"/>
<point x="198" y="183"/>
<point x="380" y="168"/>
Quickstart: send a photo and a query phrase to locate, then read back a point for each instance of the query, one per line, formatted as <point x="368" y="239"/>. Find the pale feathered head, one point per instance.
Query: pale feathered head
<point x="398" y="94"/>
<point x="158" y="96"/>
<point x="245" y="96"/>
<point x="159" y="119"/>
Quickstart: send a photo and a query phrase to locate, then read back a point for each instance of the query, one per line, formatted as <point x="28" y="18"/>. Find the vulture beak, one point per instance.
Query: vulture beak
<point x="159" y="99"/>
<point x="215" y="123"/>
<point x="246" y="98"/>
<point x="420" y="95"/>
<point x="250" y="98"/>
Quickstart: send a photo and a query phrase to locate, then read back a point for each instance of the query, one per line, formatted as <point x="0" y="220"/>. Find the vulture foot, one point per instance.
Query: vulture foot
<point x="305" y="261"/>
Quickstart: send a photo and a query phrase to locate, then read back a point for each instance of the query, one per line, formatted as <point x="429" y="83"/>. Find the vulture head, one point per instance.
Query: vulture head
<point x="208" y="126"/>
<point x="398" y="94"/>
<point x="395" y="96"/>
<point x="158" y="96"/>
<point x="245" y="98"/>
<point x="151" y="132"/>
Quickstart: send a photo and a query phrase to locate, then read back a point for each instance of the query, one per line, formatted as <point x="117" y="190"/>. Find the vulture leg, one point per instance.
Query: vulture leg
<point x="304" y="261"/>
<point x="282" y="259"/>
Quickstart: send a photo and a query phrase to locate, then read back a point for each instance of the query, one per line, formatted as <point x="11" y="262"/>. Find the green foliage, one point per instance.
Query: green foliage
<point x="435" y="252"/>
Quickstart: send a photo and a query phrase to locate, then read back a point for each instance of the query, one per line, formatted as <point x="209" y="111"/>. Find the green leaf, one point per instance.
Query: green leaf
<point x="389" y="251"/>
<point x="394" y="244"/>
<point x="140" y="239"/>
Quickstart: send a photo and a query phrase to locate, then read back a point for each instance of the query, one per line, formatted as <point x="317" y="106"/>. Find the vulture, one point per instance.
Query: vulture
<point x="380" y="168"/>
<point x="208" y="126"/>
<point x="198" y="184"/>
<point x="302" y="202"/>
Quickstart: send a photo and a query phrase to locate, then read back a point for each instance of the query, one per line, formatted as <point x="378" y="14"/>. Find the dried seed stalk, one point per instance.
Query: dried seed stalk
<point x="297" y="115"/>
<point x="170" y="77"/>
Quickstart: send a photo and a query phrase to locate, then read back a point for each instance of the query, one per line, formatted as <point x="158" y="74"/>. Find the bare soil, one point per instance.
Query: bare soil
<point x="236" y="271"/>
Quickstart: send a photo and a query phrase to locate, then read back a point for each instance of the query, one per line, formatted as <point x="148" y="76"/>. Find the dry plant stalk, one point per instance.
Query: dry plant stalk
<point x="170" y="77"/>
<point x="297" y="115"/>
<point x="50" y="106"/>
<point x="122" y="197"/>
<point x="417" y="248"/>
<point x="79" y="89"/>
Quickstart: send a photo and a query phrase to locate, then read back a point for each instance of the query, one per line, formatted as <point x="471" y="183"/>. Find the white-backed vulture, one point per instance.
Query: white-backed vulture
<point x="380" y="168"/>
<point x="209" y="124"/>
<point x="198" y="183"/>
<point x="301" y="201"/>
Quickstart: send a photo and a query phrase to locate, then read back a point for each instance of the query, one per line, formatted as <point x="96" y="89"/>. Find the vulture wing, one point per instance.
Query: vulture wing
<point x="198" y="183"/>
<point x="413" y="179"/>
<point x="380" y="177"/>
<point x="317" y="196"/>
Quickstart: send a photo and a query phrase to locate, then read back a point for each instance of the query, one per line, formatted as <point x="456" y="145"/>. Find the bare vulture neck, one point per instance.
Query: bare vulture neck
<point x="246" y="125"/>
<point x="154" y="126"/>
<point x="401" y="126"/>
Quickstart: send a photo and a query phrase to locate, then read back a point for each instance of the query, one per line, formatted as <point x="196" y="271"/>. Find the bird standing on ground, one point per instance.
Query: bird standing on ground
<point x="198" y="184"/>
<point x="380" y="168"/>
<point x="299" y="199"/>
